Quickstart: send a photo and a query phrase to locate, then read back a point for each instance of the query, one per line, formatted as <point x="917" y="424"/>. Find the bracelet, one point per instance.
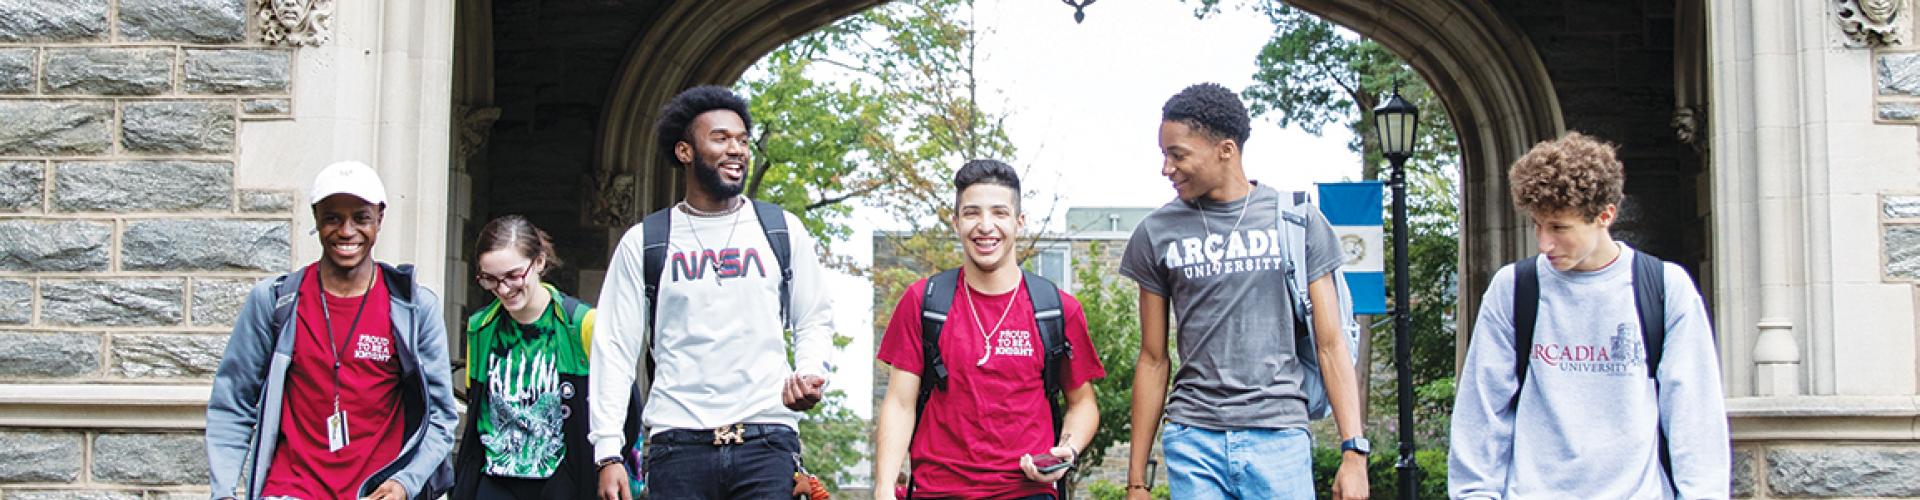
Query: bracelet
<point x="1140" y="487"/>
<point x="604" y="462"/>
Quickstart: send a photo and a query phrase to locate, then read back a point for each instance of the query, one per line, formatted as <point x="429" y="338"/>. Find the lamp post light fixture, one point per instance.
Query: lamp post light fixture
<point x="1395" y="122"/>
<point x="1079" y="9"/>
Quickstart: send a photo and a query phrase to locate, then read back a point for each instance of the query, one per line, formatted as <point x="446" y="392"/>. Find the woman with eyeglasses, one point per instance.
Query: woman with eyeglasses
<point x="526" y="429"/>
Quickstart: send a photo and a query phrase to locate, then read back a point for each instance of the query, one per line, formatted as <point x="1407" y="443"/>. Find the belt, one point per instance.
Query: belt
<point x="725" y="435"/>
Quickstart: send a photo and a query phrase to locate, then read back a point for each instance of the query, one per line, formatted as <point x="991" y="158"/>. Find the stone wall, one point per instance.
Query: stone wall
<point x="126" y="246"/>
<point x="1826" y="470"/>
<point x="1612" y="65"/>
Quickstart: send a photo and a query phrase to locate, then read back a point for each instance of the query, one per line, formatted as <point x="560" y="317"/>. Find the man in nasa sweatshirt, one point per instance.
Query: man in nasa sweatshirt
<point x="1588" y="419"/>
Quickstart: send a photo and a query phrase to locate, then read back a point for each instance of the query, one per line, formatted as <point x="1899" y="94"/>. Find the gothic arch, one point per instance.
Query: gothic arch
<point x="1492" y="81"/>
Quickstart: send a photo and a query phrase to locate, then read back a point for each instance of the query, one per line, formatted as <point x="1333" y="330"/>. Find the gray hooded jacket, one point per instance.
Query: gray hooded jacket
<point x="243" y="414"/>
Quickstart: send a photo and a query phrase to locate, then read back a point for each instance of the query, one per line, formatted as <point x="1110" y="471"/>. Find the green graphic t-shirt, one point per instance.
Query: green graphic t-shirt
<point x="520" y="426"/>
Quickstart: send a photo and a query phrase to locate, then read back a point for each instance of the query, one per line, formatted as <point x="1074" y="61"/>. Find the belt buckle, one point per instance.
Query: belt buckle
<point x="735" y="435"/>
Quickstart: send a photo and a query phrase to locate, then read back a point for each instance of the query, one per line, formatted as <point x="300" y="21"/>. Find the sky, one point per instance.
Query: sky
<point x="1084" y="101"/>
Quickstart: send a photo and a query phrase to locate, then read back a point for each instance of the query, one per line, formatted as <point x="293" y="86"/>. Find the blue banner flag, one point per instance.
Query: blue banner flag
<point x="1354" y="211"/>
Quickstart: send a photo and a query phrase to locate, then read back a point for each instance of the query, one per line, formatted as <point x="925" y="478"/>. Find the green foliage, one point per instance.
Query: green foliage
<point x="833" y="439"/>
<point x="879" y="106"/>
<point x="1111" y="306"/>
<point x="1106" y="490"/>
<point x="1382" y="475"/>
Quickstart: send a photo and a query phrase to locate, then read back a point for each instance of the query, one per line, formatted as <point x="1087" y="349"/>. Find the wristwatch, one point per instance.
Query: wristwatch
<point x="604" y="462"/>
<point x="1358" y="445"/>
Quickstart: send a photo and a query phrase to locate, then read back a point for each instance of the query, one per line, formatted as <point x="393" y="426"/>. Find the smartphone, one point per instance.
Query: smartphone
<point x="1048" y="464"/>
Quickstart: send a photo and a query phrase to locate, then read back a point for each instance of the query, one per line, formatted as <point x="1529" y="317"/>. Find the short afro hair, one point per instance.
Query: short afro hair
<point x="1574" y="173"/>
<point x="1210" y="109"/>
<point x="991" y="172"/>
<point x="679" y="113"/>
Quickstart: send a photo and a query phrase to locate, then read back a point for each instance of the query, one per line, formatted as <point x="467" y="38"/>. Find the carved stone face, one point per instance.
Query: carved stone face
<point x="1879" y="11"/>
<point x="1684" y="125"/>
<point x="290" y="13"/>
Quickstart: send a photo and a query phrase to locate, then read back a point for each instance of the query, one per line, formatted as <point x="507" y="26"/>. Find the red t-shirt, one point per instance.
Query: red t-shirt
<point x="972" y="434"/>
<point x="369" y="392"/>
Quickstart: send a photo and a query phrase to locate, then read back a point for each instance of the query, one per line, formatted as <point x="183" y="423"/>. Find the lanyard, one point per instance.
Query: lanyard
<point x="327" y="321"/>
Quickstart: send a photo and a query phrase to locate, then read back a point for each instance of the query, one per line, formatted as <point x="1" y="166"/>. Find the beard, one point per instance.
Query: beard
<point x="708" y="176"/>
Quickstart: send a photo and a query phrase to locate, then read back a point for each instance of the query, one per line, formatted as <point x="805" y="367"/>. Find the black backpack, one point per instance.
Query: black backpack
<point x="657" y="227"/>
<point x="938" y="299"/>
<point x="1649" y="301"/>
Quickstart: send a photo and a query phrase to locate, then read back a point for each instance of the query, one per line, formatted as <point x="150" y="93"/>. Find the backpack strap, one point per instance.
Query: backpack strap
<point x="935" y="301"/>
<point x="1047" y="316"/>
<point x="1650" y="301"/>
<point x="577" y="316"/>
<point x="1293" y="233"/>
<point x="773" y="221"/>
<point x="1052" y="324"/>
<point x="654" y="231"/>
<point x="286" y="294"/>
<point x="1526" y="310"/>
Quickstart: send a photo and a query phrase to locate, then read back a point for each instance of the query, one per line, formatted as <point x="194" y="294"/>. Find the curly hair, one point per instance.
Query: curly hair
<point x="1573" y="173"/>
<point x="1212" y="110"/>
<point x="680" y="112"/>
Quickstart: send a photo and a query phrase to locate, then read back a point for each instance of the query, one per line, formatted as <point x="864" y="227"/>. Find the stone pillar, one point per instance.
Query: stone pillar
<point x="1776" y="352"/>
<point x="1815" y="164"/>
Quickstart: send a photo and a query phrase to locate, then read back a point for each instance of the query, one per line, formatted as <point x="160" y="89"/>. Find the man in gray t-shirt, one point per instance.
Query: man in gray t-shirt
<point x="1224" y="282"/>
<point x="1236" y="415"/>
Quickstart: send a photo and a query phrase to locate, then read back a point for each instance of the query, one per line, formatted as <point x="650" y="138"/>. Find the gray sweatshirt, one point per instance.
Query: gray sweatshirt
<point x="1587" y="422"/>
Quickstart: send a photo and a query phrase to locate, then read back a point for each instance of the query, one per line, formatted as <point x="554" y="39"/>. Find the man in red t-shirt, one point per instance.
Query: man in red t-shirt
<point x="335" y="382"/>
<point x="977" y="437"/>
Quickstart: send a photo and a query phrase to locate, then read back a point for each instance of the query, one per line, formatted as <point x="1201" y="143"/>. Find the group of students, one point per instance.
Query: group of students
<point x="714" y="333"/>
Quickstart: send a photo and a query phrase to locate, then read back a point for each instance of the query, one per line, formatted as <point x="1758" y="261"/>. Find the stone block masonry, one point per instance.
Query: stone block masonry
<point x="109" y="71"/>
<point x="127" y="245"/>
<point x="142" y="186"/>
<point x="40" y="456"/>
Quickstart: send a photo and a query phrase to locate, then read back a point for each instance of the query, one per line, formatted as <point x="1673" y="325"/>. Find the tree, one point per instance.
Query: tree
<point x="1112" y="309"/>
<point x="877" y="106"/>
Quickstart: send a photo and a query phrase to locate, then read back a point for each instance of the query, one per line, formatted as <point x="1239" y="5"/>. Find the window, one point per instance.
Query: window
<point x="1055" y="263"/>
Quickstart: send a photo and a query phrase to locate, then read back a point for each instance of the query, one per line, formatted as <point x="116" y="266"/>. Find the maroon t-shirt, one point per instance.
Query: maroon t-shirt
<point x="369" y="391"/>
<point x="972" y="434"/>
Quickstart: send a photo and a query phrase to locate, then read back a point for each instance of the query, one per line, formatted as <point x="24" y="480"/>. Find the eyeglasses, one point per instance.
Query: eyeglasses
<point x="513" y="279"/>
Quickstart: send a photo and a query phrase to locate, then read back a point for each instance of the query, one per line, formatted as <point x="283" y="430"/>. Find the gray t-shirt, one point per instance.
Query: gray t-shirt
<point x="1238" y="368"/>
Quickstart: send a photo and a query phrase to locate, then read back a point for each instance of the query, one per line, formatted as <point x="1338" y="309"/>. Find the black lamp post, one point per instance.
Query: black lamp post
<point x="1394" y="124"/>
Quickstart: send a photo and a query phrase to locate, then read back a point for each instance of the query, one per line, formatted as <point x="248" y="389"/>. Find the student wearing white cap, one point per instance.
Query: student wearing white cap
<point x="335" y="382"/>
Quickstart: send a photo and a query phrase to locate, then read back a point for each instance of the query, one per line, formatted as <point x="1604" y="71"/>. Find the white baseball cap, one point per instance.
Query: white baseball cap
<point x="348" y="177"/>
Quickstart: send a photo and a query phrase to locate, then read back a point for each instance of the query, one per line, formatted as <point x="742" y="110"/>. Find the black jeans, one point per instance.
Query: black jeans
<point x="686" y="464"/>
<point x="508" y="488"/>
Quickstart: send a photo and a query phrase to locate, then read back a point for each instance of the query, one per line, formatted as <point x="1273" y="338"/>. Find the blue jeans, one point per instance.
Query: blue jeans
<point x="684" y="464"/>
<point x="1243" y="463"/>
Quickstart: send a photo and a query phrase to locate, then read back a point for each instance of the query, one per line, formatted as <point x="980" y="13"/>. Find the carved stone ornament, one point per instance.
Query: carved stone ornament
<point x="1686" y="127"/>
<point x="298" y="23"/>
<point x="615" y="202"/>
<point x="1869" y="23"/>
<point x="476" y="124"/>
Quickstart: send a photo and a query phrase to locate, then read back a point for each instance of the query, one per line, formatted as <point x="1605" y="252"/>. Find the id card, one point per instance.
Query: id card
<point x="337" y="431"/>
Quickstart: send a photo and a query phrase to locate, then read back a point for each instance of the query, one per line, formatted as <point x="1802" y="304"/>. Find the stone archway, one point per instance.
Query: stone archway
<point x="687" y="44"/>
<point x="1495" y="86"/>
